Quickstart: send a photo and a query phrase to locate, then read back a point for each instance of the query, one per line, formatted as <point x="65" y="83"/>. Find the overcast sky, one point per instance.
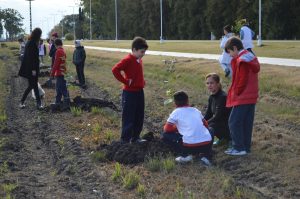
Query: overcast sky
<point x="44" y="12"/>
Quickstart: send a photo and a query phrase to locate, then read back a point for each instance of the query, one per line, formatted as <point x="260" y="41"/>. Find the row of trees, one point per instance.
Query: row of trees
<point x="189" y="19"/>
<point x="11" y="20"/>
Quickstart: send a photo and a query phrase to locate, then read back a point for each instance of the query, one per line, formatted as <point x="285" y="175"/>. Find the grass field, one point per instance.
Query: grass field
<point x="280" y="49"/>
<point x="275" y="131"/>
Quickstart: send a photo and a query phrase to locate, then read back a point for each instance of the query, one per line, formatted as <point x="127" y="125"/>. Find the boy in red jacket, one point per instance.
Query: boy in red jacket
<point x="58" y="71"/>
<point x="133" y="102"/>
<point x="242" y="96"/>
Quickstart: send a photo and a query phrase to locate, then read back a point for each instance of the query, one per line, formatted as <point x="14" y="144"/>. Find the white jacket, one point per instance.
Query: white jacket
<point x="225" y="58"/>
<point x="246" y="35"/>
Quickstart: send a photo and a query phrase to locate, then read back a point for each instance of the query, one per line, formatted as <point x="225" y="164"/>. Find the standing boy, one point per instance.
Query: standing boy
<point x="133" y="102"/>
<point x="58" y="71"/>
<point x="246" y="35"/>
<point x="186" y="131"/>
<point x="79" y="59"/>
<point x="242" y="96"/>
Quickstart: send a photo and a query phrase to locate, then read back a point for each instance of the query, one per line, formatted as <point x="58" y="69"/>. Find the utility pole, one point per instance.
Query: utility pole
<point x="161" y="22"/>
<point x="73" y="22"/>
<point x="90" y="19"/>
<point x="116" y="13"/>
<point x="30" y="14"/>
<point x="259" y="41"/>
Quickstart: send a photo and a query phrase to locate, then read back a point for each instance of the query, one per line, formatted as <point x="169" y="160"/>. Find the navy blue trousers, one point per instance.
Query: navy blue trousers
<point x="61" y="90"/>
<point x="133" y="104"/>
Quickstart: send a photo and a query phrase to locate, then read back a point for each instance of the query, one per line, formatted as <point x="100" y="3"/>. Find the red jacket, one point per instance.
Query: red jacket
<point x="244" y="86"/>
<point x="59" y="66"/>
<point x="132" y="70"/>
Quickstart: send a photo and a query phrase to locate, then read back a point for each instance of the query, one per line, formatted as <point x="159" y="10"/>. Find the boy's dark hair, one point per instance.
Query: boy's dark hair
<point x="228" y="28"/>
<point x="139" y="43"/>
<point x="181" y="98"/>
<point x="233" y="41"/>
<point x="58" y="42"/>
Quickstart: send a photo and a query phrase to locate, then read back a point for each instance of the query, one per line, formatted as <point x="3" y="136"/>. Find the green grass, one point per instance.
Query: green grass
<point x="281" y="49"/>
<point x="76" y="112"/>
<point x="8" y="188"/>
<point x="130" y="180"/>
<point x="96" y="110"/>
<point x="117" y="174"/>
<point x="140" y="190"/>
<point x="97" y="129"/>
<point x="98" y="156"/>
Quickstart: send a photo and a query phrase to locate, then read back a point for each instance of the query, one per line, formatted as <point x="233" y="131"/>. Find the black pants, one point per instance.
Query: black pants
<point x="175" y="141"/>
<point x="133" y="104"/>
<point x="32" y="84"/>
<point x="80" y="73"/>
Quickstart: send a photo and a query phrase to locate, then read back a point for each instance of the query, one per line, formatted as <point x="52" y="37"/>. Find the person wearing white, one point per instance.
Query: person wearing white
<point x="42" y="51"/>
<point x="186" y="131"/>
<point x="246" y="35"/>
<point x="225" y="58"/>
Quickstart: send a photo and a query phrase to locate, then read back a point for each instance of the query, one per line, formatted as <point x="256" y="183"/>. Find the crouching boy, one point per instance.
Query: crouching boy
<point x="186" y="131"/>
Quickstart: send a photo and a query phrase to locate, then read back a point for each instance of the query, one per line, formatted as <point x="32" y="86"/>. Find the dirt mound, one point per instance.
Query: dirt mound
<point x="133" y="153"/>
<point x="87" y="103"/>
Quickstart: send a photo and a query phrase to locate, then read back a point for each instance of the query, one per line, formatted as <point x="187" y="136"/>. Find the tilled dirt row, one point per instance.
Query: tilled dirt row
<point x="44" y="161"/>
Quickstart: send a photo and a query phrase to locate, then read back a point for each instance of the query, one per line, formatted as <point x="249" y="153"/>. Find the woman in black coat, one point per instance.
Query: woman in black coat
<point x="217" y="113"/>
<point x="30" y="66"/>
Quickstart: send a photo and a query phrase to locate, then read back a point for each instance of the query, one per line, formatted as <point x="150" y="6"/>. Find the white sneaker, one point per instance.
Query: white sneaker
<point x="186" y="159"/>
<point x="235" y="152"/>
<point x="22" y="105"/>
<point x="205" y="161"/>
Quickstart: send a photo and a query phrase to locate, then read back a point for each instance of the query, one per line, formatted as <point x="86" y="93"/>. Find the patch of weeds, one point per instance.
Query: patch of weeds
<point x="4" y="168"/>
<point x="179" y="191"/>
<point x="153" y="164"/>
<point x="3" y="117"/>
<point x="109" y="136"/>
<point x="130" y="180"/>
<point x="8" y="188"/>
<point x="96" y="110"/>
<point x="72" y="88"/>
<point x="61" y="142"/>
<point x="3" y="142"/>
<point x="168" y="164"/>
<point x="76" y="112"/>
<point x="140" y="190"/>
<point x="117" y="172"/>
<point x="97" y="129"/>
<point x="98" y="156"/>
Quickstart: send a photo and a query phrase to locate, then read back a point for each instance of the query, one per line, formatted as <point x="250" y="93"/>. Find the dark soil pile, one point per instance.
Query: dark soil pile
<point x="133" y="153"/>
<point x="87" y="103"/>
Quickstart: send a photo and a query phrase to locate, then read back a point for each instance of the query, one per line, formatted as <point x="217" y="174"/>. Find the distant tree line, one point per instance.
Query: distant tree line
<point x="184" y="19"/>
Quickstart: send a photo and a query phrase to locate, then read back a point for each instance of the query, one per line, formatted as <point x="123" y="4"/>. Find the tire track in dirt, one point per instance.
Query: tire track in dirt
<point x="43" y="160"/>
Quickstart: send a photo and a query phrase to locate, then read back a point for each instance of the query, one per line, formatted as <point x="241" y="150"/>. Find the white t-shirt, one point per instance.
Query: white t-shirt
<point x="188" y="121"/>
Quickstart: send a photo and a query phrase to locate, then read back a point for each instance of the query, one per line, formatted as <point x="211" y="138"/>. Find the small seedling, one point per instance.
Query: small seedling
<point x="168" y="164"/>
<point x="141" y="190"/>
<point x="96" y="110"/>
<point x="97" y="129"/>
<point x="3" y="117"/>
<point x="98" y="156"/>
<point x="153" y="164"/>
<point x="117" y="173"/>
<point x="109" y="136"/>
<point x="76" y="111"/>
<point x="131" y="180"/>
<point x="3" y="168"/>
<point x="8" y="188"/>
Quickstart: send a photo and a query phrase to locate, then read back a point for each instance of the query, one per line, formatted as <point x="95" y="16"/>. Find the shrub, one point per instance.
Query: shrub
<point x="69" y="36"/>
<point x="131" y="180"/>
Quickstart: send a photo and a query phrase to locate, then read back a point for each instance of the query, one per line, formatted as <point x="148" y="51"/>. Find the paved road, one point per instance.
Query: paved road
<point x="262" y="60"/>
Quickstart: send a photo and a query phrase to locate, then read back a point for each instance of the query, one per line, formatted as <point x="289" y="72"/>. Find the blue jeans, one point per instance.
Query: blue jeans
<point x="174" y="140"/>
<point x="61" y="90"/>
<point x="133" y="104"/>
<point x="241" y="124"/>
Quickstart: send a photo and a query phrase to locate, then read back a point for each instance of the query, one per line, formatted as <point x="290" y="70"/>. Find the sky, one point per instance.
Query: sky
<point x="44" y="12"/>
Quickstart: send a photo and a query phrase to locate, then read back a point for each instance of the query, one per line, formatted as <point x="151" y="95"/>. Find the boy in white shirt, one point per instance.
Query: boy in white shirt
<point x="186" y="131"/>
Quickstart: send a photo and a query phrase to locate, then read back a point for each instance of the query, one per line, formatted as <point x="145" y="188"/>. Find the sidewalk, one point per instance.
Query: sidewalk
<point x="262" y="60"/>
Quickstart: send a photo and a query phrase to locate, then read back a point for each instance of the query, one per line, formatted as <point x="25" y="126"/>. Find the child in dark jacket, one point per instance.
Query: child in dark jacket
<point x="133" y="102"/>
<point x="242" y="96"/>
<point x="78" y="60"/>
<point x="217" y="113"/>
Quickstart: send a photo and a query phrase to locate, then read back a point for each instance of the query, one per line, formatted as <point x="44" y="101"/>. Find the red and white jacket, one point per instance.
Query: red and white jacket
<point x="244" y="86"/>
<point x="59" y="66"/>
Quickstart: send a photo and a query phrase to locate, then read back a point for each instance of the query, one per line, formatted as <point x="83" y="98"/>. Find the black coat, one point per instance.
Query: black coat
<point x="52" y="53"/>
<point x="30" y="61"/>
<point x="217" y="114"/>
<point x="79" y="56"/>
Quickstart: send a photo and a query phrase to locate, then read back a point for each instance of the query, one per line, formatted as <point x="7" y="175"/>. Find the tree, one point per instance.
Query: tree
<point x="12" y="22"/>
